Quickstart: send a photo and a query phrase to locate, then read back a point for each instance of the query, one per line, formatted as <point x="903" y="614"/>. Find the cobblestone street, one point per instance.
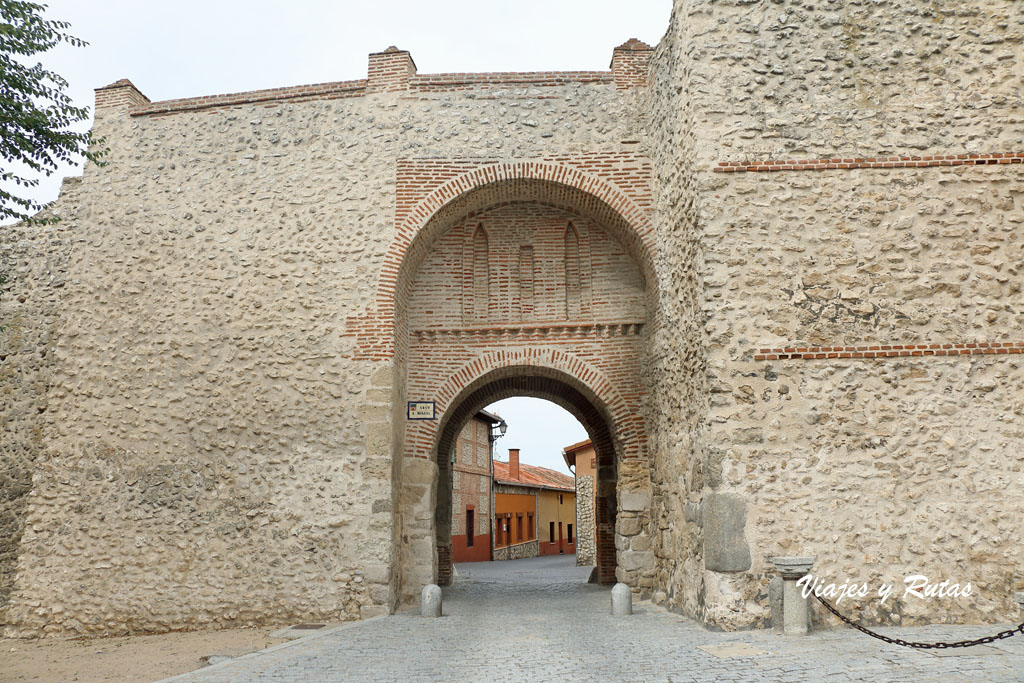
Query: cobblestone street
<point x="538" y="620"/>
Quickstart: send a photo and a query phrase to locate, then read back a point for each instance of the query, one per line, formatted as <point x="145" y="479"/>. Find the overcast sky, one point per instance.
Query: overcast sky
<point x="539" y="429"/>
<point x="189" y="48"/>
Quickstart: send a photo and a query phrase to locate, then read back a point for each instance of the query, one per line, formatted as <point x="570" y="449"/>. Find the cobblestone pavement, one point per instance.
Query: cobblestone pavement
<point x="537" y="620"/>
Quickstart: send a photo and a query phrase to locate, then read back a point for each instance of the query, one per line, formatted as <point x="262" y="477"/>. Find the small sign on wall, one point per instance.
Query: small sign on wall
<point x="421" y="410"/>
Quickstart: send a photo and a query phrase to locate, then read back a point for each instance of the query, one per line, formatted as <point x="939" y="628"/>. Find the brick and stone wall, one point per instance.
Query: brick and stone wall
<point x="471" y="490"/>
<point x="215" y="434"/>
<point x="795" y="328"/>
<point x="888" y="221"/>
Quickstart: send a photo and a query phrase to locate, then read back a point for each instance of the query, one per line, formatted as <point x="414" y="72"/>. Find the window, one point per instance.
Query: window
<point x="519" y="528"/>
<point x="560" y="501"/>
<point x="471" y="530"/>
<point x="570" y="534"/>
<point x="530" y="530"/>
<point x="551" y="532"/>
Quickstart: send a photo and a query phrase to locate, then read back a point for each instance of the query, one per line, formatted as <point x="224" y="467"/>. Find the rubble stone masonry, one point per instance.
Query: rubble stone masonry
<point x="843" y="372"/>
<point x="772" y="265"/>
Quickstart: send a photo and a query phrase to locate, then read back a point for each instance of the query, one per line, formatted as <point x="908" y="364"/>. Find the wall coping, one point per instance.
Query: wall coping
<point x="393" y="70"/>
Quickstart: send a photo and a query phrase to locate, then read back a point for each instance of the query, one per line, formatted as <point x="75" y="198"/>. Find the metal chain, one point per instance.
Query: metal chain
<point x="922" y="646"/>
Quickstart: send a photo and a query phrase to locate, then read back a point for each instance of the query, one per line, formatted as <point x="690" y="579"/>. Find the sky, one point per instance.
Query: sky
<point x="190" y="48"/>
<point x="539" y="429"/>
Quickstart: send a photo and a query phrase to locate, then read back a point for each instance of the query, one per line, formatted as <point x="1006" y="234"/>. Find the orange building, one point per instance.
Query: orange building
<point x="471" y="490"/>
<point x="582" y="460"/>
<point x="534" y="510"/>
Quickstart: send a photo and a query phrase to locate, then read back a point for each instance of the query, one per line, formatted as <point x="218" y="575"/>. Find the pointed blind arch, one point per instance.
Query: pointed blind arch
<point x="481" y="275"/>
<point x="573" y="285"/>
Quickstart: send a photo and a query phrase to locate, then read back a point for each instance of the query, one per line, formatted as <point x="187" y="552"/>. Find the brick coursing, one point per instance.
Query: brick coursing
<point x="890" y="351"/>
<point x="994" y="158"/>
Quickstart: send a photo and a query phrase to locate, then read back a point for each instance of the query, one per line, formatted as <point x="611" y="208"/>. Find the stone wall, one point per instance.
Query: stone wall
<point x="518" y="551"/>
<point x="676" y="409"/>
<point x="225" y="444"/>
<point x="585" y="533"/>
<point x="33" y="274"/>
<point x="889" y="234"/>
<point x="205" y="366"/>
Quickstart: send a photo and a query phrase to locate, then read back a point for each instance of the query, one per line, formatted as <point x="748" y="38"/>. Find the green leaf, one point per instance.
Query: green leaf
<point x="36" y="113"/>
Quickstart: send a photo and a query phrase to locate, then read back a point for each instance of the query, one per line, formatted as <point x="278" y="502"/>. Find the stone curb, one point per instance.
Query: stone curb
<point x="273" y="648"/>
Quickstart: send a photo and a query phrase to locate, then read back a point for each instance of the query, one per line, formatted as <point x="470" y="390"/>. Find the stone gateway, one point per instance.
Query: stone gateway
<point x="773" y="265"/>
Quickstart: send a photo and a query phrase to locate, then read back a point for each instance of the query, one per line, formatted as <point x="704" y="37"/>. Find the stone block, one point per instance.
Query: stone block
<point x="725" y="544"/>
<point x="369" y="611"/>
<point x="692" y="513"/>
<point x="628" y="526"/>
<point x="383" y="376"/>
<point x="640" y="543"/>
<point x="377" y="573"/>
<point x="635" y="501"/>
<point x="632" y="560"/>
<point x="775" y="603"/>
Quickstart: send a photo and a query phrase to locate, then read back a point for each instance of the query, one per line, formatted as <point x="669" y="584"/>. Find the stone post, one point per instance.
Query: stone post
<point x="1019" y="595"/>
<point x="794" y="604"/>
<point x="430" y="601"/>
<point x="622" y="600"/>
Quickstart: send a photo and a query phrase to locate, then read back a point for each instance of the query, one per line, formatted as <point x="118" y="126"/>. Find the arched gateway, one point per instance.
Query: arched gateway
<point x="515" y="279"/>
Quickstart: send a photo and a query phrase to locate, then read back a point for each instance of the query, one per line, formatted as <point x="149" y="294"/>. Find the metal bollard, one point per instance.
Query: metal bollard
<point x="622" y="600"/>
<point x="430" y="601"/>
<point x="794" y="605"/>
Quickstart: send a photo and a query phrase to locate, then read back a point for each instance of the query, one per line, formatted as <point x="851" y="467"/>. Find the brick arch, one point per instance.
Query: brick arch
<point x="554" y="376"/>
<point x="578" y="387"/>
<point x="624" y="424"/>
<point x="591" y="368"/>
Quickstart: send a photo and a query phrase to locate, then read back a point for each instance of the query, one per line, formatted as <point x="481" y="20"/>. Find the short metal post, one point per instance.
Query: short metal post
<point x="622" y="600"/>
<point x="430" y="601"/>
<point x="794" y="604"/>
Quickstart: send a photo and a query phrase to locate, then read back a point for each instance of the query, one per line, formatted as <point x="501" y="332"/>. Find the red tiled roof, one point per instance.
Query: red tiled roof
<point x="531" y="475"/>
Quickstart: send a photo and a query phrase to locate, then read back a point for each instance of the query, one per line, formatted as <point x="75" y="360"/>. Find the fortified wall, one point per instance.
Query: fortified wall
<point x="839" y="199"/>
<point x="772" y="265"/>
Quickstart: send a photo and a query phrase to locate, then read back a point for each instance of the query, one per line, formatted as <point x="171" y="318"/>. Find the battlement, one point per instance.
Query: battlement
<point x="392" y="70"/>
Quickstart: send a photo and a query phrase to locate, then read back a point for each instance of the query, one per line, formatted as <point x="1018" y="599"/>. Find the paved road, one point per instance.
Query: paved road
<point x="537" y="620"/>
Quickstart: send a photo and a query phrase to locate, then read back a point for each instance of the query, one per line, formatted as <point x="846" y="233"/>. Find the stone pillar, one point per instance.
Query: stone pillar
<point x="622" y="600"/>
<point x="389" y="71"/>
<point x="794" y="604"/>
<point x="430" y="601"/>
<point x="630" y="63"/>
<point x="1019" y="595"/>
<point x="122" y="93"/>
